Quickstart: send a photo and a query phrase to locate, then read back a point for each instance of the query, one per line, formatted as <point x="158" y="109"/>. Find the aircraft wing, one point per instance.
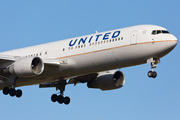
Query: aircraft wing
<point x="73" y="80"/>
<point x="11" y="59"/>
<point x="82" y="79"/>
<point x="7" y="57"/>
<point x="7" y="60"/>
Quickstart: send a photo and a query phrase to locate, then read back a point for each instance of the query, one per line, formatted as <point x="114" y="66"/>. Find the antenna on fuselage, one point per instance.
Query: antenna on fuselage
<point x="96" y="31"/>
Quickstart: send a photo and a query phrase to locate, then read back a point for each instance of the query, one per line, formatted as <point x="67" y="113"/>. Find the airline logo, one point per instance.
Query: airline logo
<point x="97" y="37"/>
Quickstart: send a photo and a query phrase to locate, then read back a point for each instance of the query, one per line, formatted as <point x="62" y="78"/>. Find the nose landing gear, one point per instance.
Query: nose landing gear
<point x="152" y="73"/>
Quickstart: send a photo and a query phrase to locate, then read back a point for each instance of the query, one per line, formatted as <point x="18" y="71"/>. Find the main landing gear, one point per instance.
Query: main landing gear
<point x="60" y="99"/>
<point x="12" y="91"/>
<point x="152" y="73"/>
<point x="59" y="86"/>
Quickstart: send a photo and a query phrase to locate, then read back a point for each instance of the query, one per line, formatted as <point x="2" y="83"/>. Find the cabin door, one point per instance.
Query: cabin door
<point x="134" y="37"/>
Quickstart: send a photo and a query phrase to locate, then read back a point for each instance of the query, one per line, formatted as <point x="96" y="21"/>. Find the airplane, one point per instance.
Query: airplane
<point x="92" y="59"/>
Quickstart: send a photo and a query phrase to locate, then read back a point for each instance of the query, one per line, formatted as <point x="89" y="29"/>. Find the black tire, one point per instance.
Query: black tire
<point x="6" y="90"/>
<point x="66" y="100"/>
<point x="150" y="73"/>
<point x="18" y="93"/>
<point x="54" y="98"/>
<point x="12" y="92"/>
<point x="60" y="99"/>
<point x="154" y="74"/>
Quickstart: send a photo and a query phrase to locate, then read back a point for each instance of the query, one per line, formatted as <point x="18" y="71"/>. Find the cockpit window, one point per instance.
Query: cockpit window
<point x="158" y="31"/>
<point x="165" y="31"/>
<point x="155" y="32"/>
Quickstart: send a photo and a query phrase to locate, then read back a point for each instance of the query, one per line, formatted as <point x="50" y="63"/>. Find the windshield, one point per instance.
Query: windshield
<point x="155" y="32"/>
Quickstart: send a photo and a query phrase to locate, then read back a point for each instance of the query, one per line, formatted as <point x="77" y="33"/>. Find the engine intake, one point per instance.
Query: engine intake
<point x="108" y="80"/>
<point x="26" y="67"/>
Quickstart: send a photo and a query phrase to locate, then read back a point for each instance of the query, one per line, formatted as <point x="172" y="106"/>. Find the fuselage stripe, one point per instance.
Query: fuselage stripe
<point x="115" y="48"/>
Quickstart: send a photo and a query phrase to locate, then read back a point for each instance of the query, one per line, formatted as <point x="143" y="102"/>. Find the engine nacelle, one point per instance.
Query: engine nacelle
<point x="108" y="80"/>
<point x="26" y="67"/>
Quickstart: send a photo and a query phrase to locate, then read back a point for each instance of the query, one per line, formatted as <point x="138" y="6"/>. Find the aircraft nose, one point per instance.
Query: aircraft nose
<point x="171" y="41"/>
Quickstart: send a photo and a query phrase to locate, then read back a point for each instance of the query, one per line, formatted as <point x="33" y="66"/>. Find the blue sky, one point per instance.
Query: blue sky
<point x="27" y="23"/>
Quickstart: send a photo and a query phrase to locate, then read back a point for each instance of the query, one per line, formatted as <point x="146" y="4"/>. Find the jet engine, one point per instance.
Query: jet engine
<point x="108" y="80"/>
<point x="26" y="67"/>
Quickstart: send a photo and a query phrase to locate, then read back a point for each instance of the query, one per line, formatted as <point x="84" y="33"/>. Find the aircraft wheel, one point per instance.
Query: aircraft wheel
<point x="6" y="90"/>
<point x="18" y="93"/>
<point x="66" y="100"/>
<point x="12" y="92"/>
<point x="54" y="98"/>
<point x="154" y="74"/>
<point x="60" y="99"/>
<point x="150" y="74"/>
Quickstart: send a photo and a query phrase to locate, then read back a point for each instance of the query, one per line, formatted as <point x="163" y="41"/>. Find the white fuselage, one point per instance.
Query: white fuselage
<point x="98" y="52"/>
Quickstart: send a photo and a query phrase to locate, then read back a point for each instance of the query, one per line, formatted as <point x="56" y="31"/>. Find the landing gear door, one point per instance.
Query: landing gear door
<point x="134" y="37"/>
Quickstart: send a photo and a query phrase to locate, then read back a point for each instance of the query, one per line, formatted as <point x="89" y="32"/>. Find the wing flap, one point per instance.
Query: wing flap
<point x="82" y="79"/>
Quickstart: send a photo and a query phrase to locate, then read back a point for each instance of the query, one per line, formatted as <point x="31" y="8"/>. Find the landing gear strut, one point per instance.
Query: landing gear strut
<point x="12" y="91"/>
<point x="59" y="86"/>
<point x="152" y="73"/>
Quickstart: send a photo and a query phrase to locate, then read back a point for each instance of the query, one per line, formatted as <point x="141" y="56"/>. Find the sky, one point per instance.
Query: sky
<point x="27" y="23"/>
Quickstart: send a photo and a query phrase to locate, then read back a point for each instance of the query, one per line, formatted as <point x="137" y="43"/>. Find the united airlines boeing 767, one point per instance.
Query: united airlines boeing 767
<point x="90" y="59"/>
